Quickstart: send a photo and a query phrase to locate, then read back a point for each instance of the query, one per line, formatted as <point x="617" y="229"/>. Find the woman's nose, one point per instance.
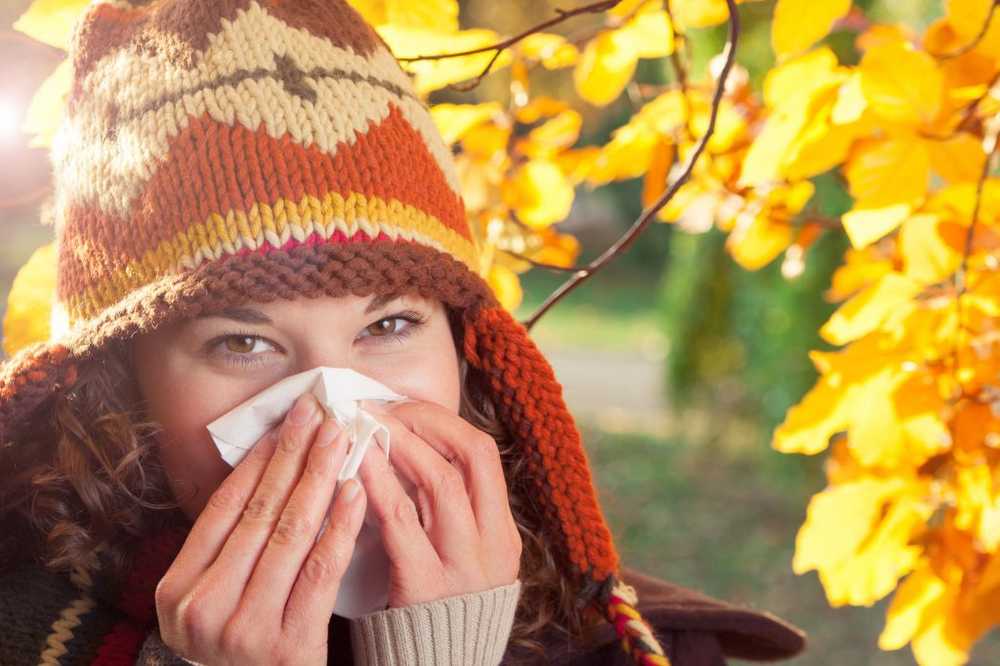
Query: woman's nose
<point x="326" y="353"/>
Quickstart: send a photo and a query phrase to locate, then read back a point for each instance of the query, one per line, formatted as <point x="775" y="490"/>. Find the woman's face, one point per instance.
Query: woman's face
<point x="194" y="371"/>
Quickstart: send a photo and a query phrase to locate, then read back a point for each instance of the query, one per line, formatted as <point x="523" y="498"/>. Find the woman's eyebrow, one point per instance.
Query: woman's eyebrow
<point x="379" y="302"/>
<point x="245" y="315"/>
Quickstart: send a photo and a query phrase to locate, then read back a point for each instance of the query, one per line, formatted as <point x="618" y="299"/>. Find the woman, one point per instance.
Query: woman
<point x="246" y="190"/>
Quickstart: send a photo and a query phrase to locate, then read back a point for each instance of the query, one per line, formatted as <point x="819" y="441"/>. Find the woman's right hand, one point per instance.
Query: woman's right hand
<point x="251" y="585"/>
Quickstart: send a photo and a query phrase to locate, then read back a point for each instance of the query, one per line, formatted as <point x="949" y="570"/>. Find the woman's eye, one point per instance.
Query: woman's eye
<point x="388" y="328"/>
<point x="245" y="344"/>
<point x="383" y="327"/>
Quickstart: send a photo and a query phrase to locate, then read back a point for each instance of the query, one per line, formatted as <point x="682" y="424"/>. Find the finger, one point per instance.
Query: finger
<point x="474" y="451"/>
<point x="314" y="593"/>
<point x="446" y="513"/>
<point x="295" y="532"/>
<point x="230" y="572"/>
<point x="221" y="513"/>
<point x="406" y="543"/>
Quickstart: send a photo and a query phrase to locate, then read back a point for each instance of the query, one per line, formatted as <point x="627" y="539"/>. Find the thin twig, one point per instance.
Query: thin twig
<point x="649" y="213"/>
<point x="562" y="15"/>
<point x="542" y="264"/>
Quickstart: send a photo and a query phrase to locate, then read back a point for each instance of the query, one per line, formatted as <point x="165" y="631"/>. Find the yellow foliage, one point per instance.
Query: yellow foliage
<point x="539" y="193"/>
<point x="863" y="313"/>
<point x="901" y="84"/>
<point x="29" y="303"/>
<point x="51" y="21"/>
<point x="798" y="24"/>
<point x="45" y="112"/>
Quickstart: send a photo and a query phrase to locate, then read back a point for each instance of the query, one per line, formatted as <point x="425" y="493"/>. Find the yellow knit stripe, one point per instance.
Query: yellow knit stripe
<point x="275" y="225"/>
<point x="62" y="630"/>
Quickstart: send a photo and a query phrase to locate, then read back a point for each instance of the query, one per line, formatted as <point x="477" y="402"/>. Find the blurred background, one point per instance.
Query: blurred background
<point x="677" y="363"/>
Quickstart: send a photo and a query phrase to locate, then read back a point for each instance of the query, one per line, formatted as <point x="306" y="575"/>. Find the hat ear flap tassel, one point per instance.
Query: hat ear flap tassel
<point x="529" y="402"/>
<point x="633" y="631"/>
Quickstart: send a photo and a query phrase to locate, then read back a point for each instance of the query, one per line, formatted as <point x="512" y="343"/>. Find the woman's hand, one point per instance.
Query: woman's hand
<point x="459" y="536"/>
<point x="251" y="584"/>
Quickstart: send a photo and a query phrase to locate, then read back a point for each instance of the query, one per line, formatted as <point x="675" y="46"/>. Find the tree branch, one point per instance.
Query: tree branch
<point x="648" y="215"/>
<point x="562" y="15"/>
<point x="962" y="50"/>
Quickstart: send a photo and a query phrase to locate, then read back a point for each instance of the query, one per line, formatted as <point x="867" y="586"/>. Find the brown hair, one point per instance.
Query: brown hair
<point x="88" y="476"/>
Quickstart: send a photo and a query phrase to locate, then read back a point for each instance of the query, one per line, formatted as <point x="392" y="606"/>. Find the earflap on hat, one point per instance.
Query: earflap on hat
<point x="529" y="401"/>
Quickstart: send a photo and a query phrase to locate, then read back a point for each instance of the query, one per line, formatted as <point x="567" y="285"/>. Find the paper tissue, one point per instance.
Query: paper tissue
<point x="365" y="586"/>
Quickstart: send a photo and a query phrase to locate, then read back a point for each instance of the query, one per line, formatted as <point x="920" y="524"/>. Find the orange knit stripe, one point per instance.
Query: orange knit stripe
<point x="212" y="167"/>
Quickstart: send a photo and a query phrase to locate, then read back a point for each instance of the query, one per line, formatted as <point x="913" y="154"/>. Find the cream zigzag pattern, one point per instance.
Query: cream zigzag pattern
<point x="69" y="618"/>
<point x="111" y="172"/>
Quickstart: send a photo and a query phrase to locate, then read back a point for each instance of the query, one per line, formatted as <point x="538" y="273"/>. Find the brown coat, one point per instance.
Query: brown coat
<point x="694" y="629"/>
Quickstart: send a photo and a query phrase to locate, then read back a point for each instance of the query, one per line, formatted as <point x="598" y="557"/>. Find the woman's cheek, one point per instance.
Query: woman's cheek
<point x="431" y="377"/>
<point x="189" y="456"/>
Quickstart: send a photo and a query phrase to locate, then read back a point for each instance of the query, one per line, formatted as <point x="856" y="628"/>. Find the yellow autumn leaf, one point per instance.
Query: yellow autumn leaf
<point x="699" y="13"/>
<point x="978" y="505"/>
<point x="901" y="84"/>
<point x="506" y="285"/>
<point x="839" y="520"/>
<point x="798" y="24"/>
<point x="552" y="50"/>
<point x="539" y="193"/>
<point x="799" y="76"/>
<point x="927" y="258"/>
<point x="864" y="226"/>
<point x="553" y="136"/>
<point x="888" y="432"/>
<point x="430" y="75"/>
<point x="888" y="171"/>
<point x="51" y="21"/>
<point x="651" y="33"/>
<point x="820" y="146"/>
<point x="558" y="249"/>
<point x="605" y="68"/>
<point x="375" y="12"/>
<point x="827" y="408"/>
<point x="886" y="556"/>
<point x="809" y="425"/>
<point x="851" y="102"/>
<point x="860" y="269"/>
<point x="864" y="312"/>
<point x="758" y="241"/>
<point x="967" y="17"/>
<point x="436" y="15"/>
<point x="455" y="120"/>
<point x="29" y="303"/>
<point x="917" y="599"/>
<point x="958" y="158"/>
<point x="45" y="112"/>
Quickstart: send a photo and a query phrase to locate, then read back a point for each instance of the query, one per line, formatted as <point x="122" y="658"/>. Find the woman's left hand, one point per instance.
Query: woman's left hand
<point x="459" y="536"/>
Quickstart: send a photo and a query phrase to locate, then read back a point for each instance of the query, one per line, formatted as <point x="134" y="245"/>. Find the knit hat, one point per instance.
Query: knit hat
<point x="215" y="152"/>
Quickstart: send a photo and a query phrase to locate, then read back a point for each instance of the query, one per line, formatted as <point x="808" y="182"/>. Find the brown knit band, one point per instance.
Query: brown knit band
<point x="372" y="267"/>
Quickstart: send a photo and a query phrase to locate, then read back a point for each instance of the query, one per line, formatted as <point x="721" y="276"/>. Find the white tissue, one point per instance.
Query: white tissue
<point x="365" y="586"/>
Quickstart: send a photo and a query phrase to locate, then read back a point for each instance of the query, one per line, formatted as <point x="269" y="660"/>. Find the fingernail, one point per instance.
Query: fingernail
<point x="303" y="410"/>
<point x="327" y="433"/>
<point x="351" y="488"/>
